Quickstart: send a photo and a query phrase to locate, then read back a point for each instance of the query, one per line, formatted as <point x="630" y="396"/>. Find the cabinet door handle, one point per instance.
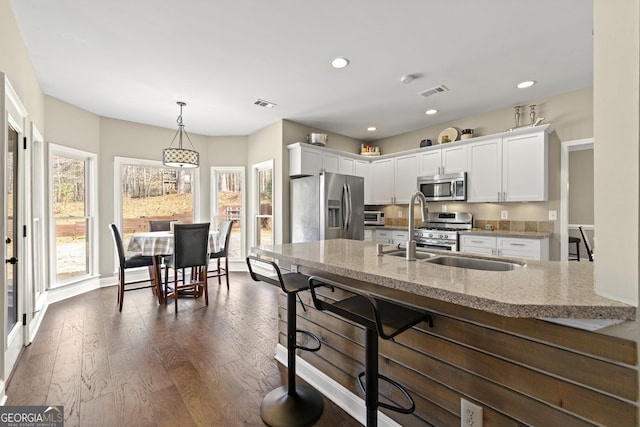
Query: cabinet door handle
<point x="504" y="196"/>
<point x="498" y="196"/>
<point x="477" y="241"/>
<point x="516" y="244"/>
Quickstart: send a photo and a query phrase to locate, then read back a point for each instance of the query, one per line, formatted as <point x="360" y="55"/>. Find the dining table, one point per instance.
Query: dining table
<point x="159" y="244"/>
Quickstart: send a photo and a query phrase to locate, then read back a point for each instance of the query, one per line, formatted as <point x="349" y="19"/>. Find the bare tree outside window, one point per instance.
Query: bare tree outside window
<point x="70" y="217"/>
<point x="154" y="193"/>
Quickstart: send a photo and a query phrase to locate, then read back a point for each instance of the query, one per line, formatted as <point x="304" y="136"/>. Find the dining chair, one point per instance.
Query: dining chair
<point x="224" y="234"/>
<point x="160" y="224"/>
<point x="128" y="262"/>
<point x="587" y="245"/>
<point x="190" y="251"/>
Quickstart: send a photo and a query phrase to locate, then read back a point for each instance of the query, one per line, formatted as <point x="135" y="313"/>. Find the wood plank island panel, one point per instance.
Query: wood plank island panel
<point x="521" y="371"/>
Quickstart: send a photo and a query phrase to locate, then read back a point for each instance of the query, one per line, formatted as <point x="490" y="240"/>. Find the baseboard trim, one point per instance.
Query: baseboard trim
<point x="345" y="399"/>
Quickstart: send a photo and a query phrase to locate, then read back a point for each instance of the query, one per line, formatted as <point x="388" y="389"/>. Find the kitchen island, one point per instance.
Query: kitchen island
<point x="487" y="344"/>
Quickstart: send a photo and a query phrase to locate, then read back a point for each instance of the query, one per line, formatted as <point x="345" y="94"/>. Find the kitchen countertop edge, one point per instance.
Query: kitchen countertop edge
<point x="487" y="291"/>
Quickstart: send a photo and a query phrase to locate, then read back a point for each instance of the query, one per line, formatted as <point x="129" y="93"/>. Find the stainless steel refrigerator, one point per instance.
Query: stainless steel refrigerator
<point x="327" y="206"/>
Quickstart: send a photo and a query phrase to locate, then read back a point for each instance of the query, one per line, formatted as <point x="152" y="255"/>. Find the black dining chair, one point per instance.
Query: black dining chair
<point x="128" y="262"/>
<point x="161" y="224"/>
<point x="190" y="251"/>
<point x="224" y="234"/>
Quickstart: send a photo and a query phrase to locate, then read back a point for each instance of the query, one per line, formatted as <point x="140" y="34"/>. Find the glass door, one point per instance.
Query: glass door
<point x="11" y="232"/>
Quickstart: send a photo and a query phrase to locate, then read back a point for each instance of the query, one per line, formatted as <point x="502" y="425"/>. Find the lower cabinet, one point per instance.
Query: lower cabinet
<point x="399" y="237"/>
<point x="536" y="249"/>
<point x="382" y="236"/>
<point x="368" y="235"/>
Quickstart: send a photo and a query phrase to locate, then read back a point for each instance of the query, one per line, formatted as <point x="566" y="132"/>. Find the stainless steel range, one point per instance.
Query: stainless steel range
<point x="440" y="230"/>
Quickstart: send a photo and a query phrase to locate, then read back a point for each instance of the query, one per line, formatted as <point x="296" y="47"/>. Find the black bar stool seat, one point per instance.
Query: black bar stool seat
<point x="288" y="405"/>
<point x="381" y="318"/>
<point x="576" y="254"/>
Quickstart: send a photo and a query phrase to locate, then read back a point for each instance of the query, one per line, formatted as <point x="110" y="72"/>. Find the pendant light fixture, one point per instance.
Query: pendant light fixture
<point x="180" y="157"/>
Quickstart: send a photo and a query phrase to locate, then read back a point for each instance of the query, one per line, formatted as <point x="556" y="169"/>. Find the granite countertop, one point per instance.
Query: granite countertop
<point x="539" y="289"/>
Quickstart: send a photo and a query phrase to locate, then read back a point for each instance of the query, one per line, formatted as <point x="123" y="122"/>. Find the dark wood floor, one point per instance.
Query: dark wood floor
<point x="207" y="366"/>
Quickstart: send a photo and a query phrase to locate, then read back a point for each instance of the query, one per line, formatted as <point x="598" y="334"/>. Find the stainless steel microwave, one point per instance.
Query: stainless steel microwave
<point x="374" y="218"/>
<point x="438" y="188"/>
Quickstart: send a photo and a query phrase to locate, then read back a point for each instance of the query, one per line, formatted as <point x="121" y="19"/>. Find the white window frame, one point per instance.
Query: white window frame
<point x="91" y="203"/>
<point x="214" y="203"/>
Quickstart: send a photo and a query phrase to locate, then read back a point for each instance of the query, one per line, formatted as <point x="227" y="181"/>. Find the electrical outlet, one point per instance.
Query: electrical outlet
<point x="399" y="213"/>
<point x="504" y="214"/>
<point x="553" y="215"/>
<point x="470" y="414"/>
<point x="444" y="208"/>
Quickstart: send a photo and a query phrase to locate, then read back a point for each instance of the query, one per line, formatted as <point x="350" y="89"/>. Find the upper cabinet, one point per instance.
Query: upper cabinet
<point x="509" y="168"/>
<point x="448" y="159"/>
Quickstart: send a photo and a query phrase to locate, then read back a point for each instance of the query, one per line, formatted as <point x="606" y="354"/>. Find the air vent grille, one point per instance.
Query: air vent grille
<point x="262" y="103"/>
<point x="434" y="90"/>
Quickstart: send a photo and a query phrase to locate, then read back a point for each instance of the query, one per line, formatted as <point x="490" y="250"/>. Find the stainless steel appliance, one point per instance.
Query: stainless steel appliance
<point x="327" y="206"/>
<point x="440" y="230"/>
<point x="374" y="218"/>
<point x="437" y="188"/>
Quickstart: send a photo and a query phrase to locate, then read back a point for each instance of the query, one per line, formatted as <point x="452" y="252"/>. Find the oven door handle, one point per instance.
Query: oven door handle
<point x="454" y="184"/>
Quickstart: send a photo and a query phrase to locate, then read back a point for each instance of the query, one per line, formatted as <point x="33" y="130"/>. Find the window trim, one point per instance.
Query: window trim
<point x="255" y="198"/>
<point x="214" y="202"/>
<point x="91" y="213"/>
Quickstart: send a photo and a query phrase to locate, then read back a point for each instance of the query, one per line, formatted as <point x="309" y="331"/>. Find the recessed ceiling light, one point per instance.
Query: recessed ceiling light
<point x="371" y="128"/>
<point x="339" y="62"/>
<point x="526" y="84"/>
<point x="431" y="111"/>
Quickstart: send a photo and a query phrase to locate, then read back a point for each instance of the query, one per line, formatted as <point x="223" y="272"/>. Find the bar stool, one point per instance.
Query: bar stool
<point x="576" y="254"/>
<point x="288" y="405"/>
<point x="380" y="317"/>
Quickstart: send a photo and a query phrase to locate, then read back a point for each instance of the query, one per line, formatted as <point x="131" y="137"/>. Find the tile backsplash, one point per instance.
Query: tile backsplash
<point x="504" y="225"/>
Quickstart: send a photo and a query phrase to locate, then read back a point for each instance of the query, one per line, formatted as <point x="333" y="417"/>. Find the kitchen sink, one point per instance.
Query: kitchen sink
<point x="475" y="263"/>
<point x="403" y="253"/>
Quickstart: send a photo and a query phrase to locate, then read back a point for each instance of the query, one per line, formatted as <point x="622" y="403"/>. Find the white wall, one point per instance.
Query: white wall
<point x="617" y="147"/>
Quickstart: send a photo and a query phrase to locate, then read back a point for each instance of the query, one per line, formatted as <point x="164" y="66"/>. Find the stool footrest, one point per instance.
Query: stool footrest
<point x="312" y="336"/>
<point x="402" y="410"/>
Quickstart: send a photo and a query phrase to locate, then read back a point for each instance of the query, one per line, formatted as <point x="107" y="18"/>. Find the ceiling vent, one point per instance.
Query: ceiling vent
<point x="262" y="103"/>
<point x="434" y="90"/>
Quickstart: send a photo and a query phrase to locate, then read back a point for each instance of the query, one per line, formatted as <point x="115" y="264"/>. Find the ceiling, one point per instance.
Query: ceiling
<point x="132" y="60"/>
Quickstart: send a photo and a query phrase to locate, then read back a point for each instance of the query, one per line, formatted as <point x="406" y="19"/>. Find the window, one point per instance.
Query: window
<point x="263" y="173"/>
<point x="146" y="190"/>
<point x="72" y="192"/>
<point x="227" y="203"/>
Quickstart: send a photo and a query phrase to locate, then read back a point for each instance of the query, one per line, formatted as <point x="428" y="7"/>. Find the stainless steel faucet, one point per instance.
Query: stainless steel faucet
<point x="411" y="243"/>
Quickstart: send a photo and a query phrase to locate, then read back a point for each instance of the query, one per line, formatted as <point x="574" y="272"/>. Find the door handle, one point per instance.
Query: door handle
<point x="7" y="240"/>
<point x="12" y="260"/>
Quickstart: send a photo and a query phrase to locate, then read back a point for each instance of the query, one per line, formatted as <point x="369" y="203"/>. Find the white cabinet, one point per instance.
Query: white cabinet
<point x="368" y="235"/>
<point x="525" y="168"/>
<point x="362" y="168"/>
<point x="483" y="245"/>
<point x="536" y="249"/>
<point x="382" y="236"/>
<point x="304" y="160"/>
<point x="399" y="237"/>
<point x="406" y="178"/>
<point x="511" y="168"/>
<point x="347" y="165"/>
<point x="484" y="178"/>
<point x="437" y="161"/>
<point x="382" y="180"/>
<point x="394" y="180"/>
<point x="331" y="162"/>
